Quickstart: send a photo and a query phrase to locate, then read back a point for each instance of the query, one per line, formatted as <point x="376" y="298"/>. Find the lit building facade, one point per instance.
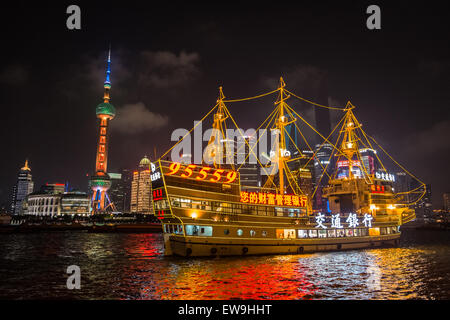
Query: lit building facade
<point x="141" y="191"/>
<point x="23" y="188"/>
<point x="368" y="157"/>
<point x="100" y="181"/>
<point x="56" y="204"/>
<point x="321" y="161"/>
<point x="120" y="191"/>
<point x="424" y="207"/>
<point x="446" y="198"/>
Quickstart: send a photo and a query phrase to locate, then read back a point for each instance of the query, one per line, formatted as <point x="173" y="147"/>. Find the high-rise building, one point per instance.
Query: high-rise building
<point x="368" y="157"/>
<point x="322" y="161"/>
<point x="23" y="188"/>
<point x="302" y="168"/>
<point x="120" y="191"/>
<point x="100" y="181"/>
<point x="402" y="184"/>
<point x="141" y="193"/>
<point x="424" y="207"/>
<point x="446" y="198"/>
<point x="249" y="173"/>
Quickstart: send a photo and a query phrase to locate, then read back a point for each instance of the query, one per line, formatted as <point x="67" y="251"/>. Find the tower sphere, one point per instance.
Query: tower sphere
<point x="105" y="108"/>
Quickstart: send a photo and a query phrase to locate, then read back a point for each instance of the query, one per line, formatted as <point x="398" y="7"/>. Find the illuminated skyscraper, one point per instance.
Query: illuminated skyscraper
<point x="23" y="188"/>
<point x="100" y="181"/>
<point x="120" y="190"/>
<point x="141" y="189"/>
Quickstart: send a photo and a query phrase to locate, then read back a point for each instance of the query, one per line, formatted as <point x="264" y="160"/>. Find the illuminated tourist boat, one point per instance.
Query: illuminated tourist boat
<point x="205" y="211"/>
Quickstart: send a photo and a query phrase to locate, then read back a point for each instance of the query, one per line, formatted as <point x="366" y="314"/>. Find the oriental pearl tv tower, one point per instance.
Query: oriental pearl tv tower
<point x="100" y="181"/>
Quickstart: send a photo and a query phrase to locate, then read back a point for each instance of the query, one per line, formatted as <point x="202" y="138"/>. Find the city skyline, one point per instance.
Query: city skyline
<point x="160" y="83"/>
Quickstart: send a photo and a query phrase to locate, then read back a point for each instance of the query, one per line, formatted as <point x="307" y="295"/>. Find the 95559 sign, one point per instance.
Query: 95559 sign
<point x="200" y="173"/>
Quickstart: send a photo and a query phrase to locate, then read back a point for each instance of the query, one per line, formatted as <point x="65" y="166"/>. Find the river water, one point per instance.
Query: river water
<point x="132" y="266"/>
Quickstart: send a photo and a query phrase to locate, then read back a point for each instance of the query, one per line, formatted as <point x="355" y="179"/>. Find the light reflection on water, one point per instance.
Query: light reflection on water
<point x="132" y="266"/>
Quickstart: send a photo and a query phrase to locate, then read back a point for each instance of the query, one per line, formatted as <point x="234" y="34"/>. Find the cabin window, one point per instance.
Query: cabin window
<point x="191" y="230"/>
<point x="279" y="212"/>
<point x="196" y="204"/>
<point x="313" y="233"/>
<point x="356" y="232"/>
<point x="264" y="233"/>
<point x="332" y="233"/>
<point x="175" y="202"/>
<point x="226" y="232"/>
<point x="302" y="233"/>
<point x="374" y="231"/>
<point x="363" y="232"/>
<point x="280" y="233"/>
<point x="349" y="232"/>
<point x="289" y="233"/>
<point x="340" y="233"/>
<point x="252" y="233"/>
<point x="185" y="203"/>
<point x="205" y="231"/>
<point x="322" y="233"/>
<point x="240" y="232"/>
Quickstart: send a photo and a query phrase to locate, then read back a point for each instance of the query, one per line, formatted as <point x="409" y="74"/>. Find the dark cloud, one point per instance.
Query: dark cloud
<point x="14" y="75"/>
<point x="136" y="118"/>
<point x="433" y="68"/>
<point x="432" y="141"/>
<point x="164" y="69"/>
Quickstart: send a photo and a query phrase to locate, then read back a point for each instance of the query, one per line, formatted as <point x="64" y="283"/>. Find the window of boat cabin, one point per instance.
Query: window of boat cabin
<point x="226" y="232"/>
<point x="322" y="233"/>
<point x="289" y="233"/>
<point x="356" y="232"/>
<point x="175" y="202"/>
<point x="332" y="233"/>
<point x="340" y="233"/>
<point x="264" y="233"/>
<point x="374" y="231"/>
<point x="280" y="233"/>
<point x="185" y="203"/>
<point x="240" y="232"/>
<point x="237" y="208"/>
<point x="196" y="204"/>
<point x="313" y="233"/>
<point x="191" y="230"/>
<point x="262" y="210"/>
<point x="252" y="233"/>
<point x="205" y="231"/>
<point x="302" y="233"/>
<point x="349" y="232"/>
<point x="363" y="232"/>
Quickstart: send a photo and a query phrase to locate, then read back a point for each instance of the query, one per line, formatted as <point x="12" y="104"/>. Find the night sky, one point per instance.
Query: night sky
<point x="168" y="62"/>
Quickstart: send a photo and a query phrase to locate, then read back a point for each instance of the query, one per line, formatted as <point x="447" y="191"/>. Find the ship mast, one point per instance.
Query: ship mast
<point x="349" y="145"/>
<point x="281" y="123"/>
<point x="218" y="126"/>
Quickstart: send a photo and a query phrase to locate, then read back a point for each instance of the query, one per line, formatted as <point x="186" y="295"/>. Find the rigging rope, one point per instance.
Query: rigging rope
<point x="251" y="98"/>
<point x="313" y="103"/>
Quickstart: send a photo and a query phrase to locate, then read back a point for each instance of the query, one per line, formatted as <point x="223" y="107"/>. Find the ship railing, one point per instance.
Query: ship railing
<point x="339" y="189"/>
<point x="408" y="216"/>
